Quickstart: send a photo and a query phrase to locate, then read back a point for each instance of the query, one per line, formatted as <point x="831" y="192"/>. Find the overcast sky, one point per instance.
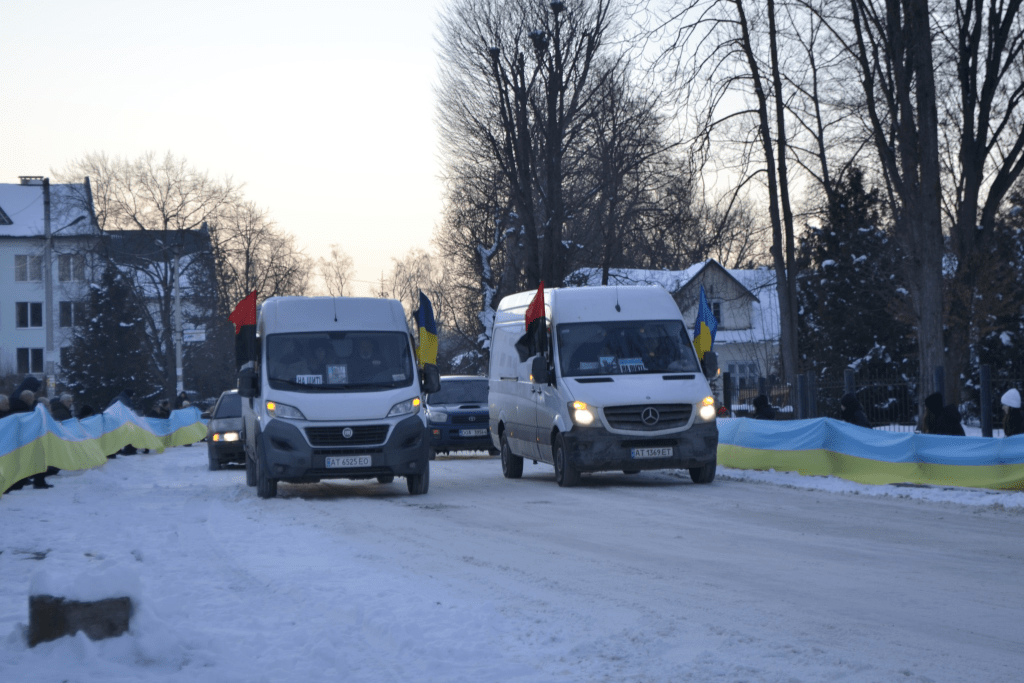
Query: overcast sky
<point x="325" y="110"/>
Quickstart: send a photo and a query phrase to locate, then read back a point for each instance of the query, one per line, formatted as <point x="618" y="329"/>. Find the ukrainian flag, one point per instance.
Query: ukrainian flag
<point x="426" y="352"/>
<point x="705" y="327"/>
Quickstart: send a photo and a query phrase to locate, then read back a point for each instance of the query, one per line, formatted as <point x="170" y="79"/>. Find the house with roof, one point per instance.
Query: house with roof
<point x="744" y="302"/>
<point x="48" y="237"/>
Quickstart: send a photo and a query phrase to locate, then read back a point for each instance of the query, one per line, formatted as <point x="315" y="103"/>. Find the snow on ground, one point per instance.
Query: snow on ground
<point x="761" y="576"/>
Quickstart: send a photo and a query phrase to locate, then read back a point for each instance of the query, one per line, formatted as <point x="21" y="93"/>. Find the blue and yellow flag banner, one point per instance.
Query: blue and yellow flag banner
<point x="426" y="352"/>
<point x="705" y="328"/>
<point x="31" y="442"/>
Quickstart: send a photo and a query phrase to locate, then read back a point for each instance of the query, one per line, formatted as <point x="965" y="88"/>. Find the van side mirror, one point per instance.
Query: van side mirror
<point x="431" y="379"/>
<point x="539" y="370"/>
<point x="710" y="364"/>
<point x="248" y="382"/>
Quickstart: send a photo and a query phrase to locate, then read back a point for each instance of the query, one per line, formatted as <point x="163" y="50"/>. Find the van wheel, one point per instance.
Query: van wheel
<point x="419" y="483"/>
<point x="250" y="471"/>
<point x="511" y="464"/>
<point x="265" y="486"/>
<point x="565" y="474"/>
<point x="704" y="475"/>
<point x="385" y="478"/>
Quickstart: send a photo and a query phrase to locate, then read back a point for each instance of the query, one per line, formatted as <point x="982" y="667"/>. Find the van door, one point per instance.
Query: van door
<point x="526" y="415"/>
<point x="547" y="399"/>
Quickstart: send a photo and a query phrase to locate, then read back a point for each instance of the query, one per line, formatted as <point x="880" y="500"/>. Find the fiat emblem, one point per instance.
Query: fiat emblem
<point x="347" y="432"/>
<point x="649" y="416"/>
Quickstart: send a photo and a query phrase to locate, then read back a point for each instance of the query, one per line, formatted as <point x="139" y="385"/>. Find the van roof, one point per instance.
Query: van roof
<point x="324" y="313"/>
<point x="584" y="304"/>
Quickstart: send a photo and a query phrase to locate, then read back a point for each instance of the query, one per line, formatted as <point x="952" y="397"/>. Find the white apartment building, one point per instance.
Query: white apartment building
<point x="47" y="235"/>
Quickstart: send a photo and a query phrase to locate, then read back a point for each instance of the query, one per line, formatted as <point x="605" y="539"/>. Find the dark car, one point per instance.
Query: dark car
<point x="457" y="416"/>
<point x="223" y="433"/>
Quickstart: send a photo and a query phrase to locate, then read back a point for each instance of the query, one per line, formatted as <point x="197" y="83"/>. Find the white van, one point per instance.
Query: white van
<point x="334" y="393"/>
<point x="620" y="387"/>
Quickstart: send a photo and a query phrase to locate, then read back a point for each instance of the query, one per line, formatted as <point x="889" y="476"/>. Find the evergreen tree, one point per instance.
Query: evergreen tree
<point x="109" y="351"/>
<point x="849" y="294"/>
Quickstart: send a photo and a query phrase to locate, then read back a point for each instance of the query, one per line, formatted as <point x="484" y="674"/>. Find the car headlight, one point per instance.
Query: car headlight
<point x="438" y="416"/>
<point x="275" y="409"/>
<point x="707" y="412"/>
<point x="411" y="405"/>
<point x="226" y="436"/>
<point x="582" y="414"/>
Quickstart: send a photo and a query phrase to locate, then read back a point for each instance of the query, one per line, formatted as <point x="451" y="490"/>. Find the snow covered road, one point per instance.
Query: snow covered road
<point x="627" y="578"/>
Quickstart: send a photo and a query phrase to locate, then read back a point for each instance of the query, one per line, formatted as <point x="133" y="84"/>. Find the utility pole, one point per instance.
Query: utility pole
<point x="48" y="364"/>
<point x="177" y="321"/>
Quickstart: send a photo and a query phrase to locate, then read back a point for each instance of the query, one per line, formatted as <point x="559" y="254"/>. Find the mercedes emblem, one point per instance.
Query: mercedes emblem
<point x="649" y="416"/>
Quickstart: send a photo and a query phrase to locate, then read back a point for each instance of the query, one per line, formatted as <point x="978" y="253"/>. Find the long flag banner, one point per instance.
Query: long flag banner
<point x="31" y="442"/>
<point x="426" y="352"/>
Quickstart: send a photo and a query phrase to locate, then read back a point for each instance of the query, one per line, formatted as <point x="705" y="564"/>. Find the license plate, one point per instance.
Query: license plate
<point x="639" y="453"/>
<point x="347" y="461"/>
<point x="472" y="432"/>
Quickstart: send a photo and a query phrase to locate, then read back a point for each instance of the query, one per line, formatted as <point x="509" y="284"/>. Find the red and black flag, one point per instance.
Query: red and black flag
<point x="535" y="341"/>
<point x="244" y="318"/>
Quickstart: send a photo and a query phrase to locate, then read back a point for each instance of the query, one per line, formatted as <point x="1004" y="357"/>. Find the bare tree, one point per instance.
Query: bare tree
<point x="337" y="271"/>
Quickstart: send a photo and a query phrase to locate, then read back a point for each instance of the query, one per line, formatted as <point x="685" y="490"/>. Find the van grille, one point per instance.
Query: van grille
<point x="362" y="435"/>
<point x="669" y="416"/>
<point x="470" y="419"/>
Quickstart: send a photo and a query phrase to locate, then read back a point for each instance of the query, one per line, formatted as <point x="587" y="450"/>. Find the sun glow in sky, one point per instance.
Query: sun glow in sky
<point x="325" y="110"/>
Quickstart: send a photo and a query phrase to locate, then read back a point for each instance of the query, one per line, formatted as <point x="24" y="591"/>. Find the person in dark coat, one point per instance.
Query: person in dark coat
<point x="1013" y="418"/>
<point x="853" y="412"/>
<point x="124" y="397"/>
<point x="940" y="418"/>
<point x="23" y="399"/>
<point x="61" y="409"/>
<point x="85" y="411"/>
<point x="180" y="401"/>
<point x="5" y="406"/>
<point x="763" y="408"/>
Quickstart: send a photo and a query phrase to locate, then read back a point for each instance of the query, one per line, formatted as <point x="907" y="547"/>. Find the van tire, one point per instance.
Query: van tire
<point x="385" y="478"/>
<point x="419" y="483"/>
<point x="565" y="474"/>
<point x="704" y="475"/>
<point x="250" y="471"/>
<point x="511" y="464"/>
<point x="265" y="486"/>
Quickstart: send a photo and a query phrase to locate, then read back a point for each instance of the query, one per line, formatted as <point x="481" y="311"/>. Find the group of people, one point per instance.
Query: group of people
<point x="24" y="399"/>
<point x="939" y="418"/>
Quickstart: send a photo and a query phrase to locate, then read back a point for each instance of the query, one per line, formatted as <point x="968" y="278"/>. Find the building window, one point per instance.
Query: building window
<point x="72" y="313"/>
<point x="71" y="267"/>
<point x="744" y="375"/>
<point x="30" y="360"/>
<point x="28" y="268"/>
<point x="28" y="314"/>
<point x="716" y="310"/>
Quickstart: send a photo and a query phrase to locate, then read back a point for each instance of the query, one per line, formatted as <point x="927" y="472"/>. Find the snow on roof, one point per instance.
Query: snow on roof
<point x="23" y="206"/>
<point x="760" y="282"/>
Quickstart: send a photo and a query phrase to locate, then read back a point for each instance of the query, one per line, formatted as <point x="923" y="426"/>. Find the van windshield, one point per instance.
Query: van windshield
<point x="625" y="348"/>
<point x="339" y="361"/>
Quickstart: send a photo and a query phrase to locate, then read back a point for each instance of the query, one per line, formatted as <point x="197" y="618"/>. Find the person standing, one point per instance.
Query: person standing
<point x="940" y="418"/>
<point x="763" y="408"/>
<point x="61" y="409"/>
<point x="5" y="406"/>
<point x="1013" y="418"/>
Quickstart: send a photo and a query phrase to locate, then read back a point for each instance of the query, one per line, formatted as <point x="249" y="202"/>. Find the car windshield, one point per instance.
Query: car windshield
<point x="459" y="391"/>
<point x="339" y="361"/>
<point x="625" y="348"/>
<point x="230" y="406"/>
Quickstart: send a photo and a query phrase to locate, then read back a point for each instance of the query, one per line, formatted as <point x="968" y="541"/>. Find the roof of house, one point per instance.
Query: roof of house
<point x="760" y="282"/>
<point x="22" y="210"/>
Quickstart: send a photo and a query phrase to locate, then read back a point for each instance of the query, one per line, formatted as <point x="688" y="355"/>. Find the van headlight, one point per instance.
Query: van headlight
<point x="406" y="407"/>
<point x="275" y="409"/>
<point x="707" y="412"/>
<point x="582" y="415"/>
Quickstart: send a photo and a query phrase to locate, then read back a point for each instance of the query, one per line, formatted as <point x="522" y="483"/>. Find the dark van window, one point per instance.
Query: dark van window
<point x="230" y="406"/>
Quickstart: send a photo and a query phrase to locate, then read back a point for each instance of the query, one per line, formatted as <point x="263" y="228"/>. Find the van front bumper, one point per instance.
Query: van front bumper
<point x="290" y="458"/>
<point x="595" y="449"/>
